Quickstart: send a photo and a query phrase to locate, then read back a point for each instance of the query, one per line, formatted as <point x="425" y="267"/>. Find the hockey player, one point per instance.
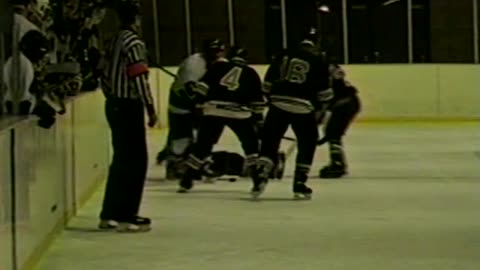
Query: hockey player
<point x="233" y="97"/>
<point x="182" y="112"/>
<point x="343" y="109"/>
<point x="297" y="85"/>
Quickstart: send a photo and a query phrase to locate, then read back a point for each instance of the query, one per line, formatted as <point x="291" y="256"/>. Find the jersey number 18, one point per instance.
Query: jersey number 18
<point x="295" y="70"/>
<point x="231" y="80"/>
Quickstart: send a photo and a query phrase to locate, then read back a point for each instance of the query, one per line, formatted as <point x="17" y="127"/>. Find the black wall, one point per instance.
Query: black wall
<point x="451" y="26"/>
<point x="442" y="29"/>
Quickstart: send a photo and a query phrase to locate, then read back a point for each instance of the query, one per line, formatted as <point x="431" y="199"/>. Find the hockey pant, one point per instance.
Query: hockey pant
<point x="180" y="135"/>
<point x="210" y="130"/>
<point x="276" y="124"/>
<point x="342" y="114"/>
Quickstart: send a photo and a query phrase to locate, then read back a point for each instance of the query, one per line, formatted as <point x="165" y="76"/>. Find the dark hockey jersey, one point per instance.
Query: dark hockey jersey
<point x="298" y="82"/>
<point x="343" y="89"/>
<point x="232" y="89"/>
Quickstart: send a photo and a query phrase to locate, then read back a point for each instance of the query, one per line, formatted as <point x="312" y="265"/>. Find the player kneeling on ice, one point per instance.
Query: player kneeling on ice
<point x="297" y="86"/>
<point x="343" y="109"/>
<point x="233" y="95"/>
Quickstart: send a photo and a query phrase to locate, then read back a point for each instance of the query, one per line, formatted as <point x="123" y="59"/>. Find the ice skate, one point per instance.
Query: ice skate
<point x="332" y="171"/>
<point x="136" y="225"/>
<point x="258" y="190"/>
<point x="107" y="224"/>
<point x="302" y="191"/>
<point x="186" y="184"/>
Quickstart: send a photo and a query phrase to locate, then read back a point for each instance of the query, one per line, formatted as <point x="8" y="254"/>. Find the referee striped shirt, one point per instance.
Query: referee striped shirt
<point x="125" y="69"/>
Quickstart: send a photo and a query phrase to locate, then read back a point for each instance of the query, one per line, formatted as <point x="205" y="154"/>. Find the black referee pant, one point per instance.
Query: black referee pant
<point x="128" y="169"/>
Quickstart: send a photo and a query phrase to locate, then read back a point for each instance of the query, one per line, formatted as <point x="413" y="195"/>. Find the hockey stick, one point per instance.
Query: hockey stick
<point x="167" y="71"/>
<point x="319" y="142"/>
<point x="171" y="74"/>
<point x="287" y="138"/>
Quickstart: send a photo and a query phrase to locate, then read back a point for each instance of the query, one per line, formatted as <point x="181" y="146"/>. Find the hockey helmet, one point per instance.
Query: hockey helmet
<point x="237" y="53"/>
<point x="213" y="46"/>
<point x="128" y="10"/>
<point x="337" y="72"/>
<point x="34" y="45"/>
<point x="311" y="37"/>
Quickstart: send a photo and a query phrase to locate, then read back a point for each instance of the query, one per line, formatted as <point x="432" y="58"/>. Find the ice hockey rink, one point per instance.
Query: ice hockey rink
<point x="411" y="202"/>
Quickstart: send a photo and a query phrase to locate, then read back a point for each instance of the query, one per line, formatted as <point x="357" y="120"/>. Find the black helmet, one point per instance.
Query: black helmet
<point x="34" y="45"/>
<point x="213" y="46"/>
<point x="238" y="54"/>
<point x="337" y="72"/>
<point x="127" y="10"/>
<point x="311" y="37"/>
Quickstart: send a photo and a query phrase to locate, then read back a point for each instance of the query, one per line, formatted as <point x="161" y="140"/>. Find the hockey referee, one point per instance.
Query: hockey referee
<point x="127" y="92"/>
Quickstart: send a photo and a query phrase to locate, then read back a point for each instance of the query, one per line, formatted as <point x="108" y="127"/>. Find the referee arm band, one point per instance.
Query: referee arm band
<point x="137" y="69"/>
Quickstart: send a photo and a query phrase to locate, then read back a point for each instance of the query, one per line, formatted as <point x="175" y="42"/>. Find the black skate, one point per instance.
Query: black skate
<point x="107" y="224"/>
<point x="186" y="184"/>
<point x="137" y="224"/>
<point x="301" y="191"/>
<point x="171" y="170"/>
<point x="333" y="171"/>
<point x="162" y="156"/>
<point x="258" y="189"/>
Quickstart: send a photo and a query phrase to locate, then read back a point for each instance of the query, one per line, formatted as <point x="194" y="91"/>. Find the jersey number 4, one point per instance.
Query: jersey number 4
<point x="296" y="70"/>
<point x="231" y="80"/>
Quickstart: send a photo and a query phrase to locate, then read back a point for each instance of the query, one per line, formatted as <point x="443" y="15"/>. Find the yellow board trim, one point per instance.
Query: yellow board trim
<point x="37" y="254"/>
<point x="418" y="119"/>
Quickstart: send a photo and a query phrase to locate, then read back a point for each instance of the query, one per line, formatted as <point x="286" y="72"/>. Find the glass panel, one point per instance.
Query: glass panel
<point x="172" y="31"/>
<point x="273" y="27"/>
<point x="421" y="31"/>
<point x="451" y="31"/>
<point x="249" y="20"/>
<point x="330" y="25"/>
<point x="378" y="31"/>
<point x="209" y="20"/>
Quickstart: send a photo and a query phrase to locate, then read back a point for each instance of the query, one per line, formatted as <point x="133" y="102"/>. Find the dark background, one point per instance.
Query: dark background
<point x="442" y="30"/>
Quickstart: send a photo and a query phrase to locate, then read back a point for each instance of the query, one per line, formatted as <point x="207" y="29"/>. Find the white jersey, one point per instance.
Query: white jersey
<point x="193" y="68"/>
<point x="22" y="26"/>
<point x="24" y="78"/>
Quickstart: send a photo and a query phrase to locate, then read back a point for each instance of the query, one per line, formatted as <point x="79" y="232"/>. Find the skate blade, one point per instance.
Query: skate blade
<point x="132" y="228"/>
<point x="333" y="175"/>
<point x="107" y="229"/>
<point x="210" y="180"/>
<point x="255" y="196"/>
<point x="182" y="190"/>
<point x="302" y="196"/>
